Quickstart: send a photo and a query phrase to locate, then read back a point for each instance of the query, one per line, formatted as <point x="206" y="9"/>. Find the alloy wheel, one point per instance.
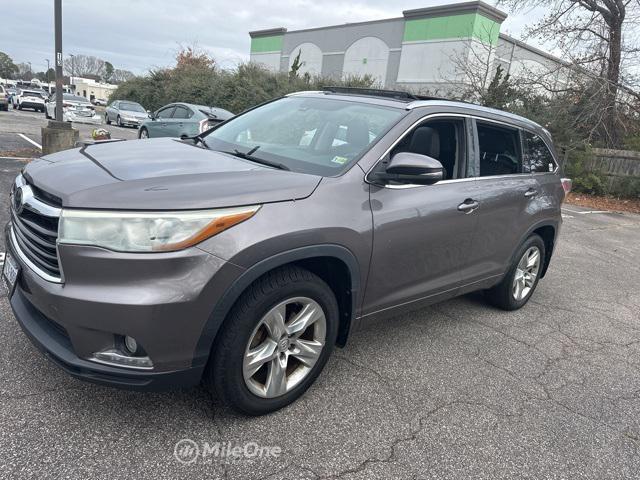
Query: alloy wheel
<point x="284" y="347"/>
<point x="526" y="273"/>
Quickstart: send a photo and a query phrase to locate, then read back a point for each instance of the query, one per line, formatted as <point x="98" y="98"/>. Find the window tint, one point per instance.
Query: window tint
<point x="166" y="112"/>
<point x="537" y="157"/>
<point x="499" y="150"/>
<point x="182" y="112"/>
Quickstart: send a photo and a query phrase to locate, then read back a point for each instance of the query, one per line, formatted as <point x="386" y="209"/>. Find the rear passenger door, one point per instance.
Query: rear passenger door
<point x="505" y="191"/>
<point x="160" y="125"/>
<point x="179" y="123"/>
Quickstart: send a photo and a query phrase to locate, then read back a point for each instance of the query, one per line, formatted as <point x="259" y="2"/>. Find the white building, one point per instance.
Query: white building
<point x="424" y="49"/>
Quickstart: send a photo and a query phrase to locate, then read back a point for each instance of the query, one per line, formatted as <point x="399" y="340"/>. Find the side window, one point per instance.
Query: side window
<point x="537" y="157"/>
<point x="443" y="140"/>
<point x="181" y="112"/>
<point x="499" y="150"/>
<point x="115" y="104"/>
<point x="166" y="112"/>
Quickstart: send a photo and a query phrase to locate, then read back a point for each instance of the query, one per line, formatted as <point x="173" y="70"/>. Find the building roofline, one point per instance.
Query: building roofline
<point x="458" y="8"/>
<point x="535" y="50"/>
<point x="268" y="32"/>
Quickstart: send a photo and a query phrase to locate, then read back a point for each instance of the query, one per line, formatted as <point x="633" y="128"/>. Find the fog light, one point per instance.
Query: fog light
<point x="118" y="359"/>
<point x="131" y="344"/>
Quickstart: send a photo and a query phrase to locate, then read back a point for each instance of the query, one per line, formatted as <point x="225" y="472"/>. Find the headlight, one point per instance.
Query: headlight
<point x="147" y="231"/>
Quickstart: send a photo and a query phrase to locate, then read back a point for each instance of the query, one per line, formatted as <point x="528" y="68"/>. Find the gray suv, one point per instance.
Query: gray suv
<point x="240" y="257"/>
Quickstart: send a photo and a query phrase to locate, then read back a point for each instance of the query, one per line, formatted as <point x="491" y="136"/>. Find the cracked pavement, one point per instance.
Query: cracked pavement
<point x="457" y="390"/>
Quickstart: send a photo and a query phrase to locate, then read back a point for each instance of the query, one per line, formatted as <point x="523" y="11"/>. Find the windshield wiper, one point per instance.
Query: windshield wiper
<point x="249" y="156"/>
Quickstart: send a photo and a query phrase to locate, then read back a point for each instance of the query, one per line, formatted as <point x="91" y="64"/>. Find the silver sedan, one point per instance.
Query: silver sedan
<point x="124" y="112"/>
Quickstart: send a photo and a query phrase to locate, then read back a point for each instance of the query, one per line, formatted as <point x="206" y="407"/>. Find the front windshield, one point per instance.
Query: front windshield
<point x="132" y="107"/>
<point x="321" y="136"/>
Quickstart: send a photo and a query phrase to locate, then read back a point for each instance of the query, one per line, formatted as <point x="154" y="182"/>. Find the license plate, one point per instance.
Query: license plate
<point x="10" y="272"/>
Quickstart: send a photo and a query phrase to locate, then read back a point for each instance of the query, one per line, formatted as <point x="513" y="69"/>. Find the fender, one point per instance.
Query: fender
<point x="542" y="223"/>
<point x="228" y="299"/>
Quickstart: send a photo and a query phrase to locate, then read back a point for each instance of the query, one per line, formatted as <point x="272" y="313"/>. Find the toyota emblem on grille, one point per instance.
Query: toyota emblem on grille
<point x="18" y="200"/>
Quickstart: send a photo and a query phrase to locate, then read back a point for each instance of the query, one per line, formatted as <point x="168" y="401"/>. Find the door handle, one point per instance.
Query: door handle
<point x="468" y="206"/>
<point x="164" y="124"/>
<point x="532" y="192"/>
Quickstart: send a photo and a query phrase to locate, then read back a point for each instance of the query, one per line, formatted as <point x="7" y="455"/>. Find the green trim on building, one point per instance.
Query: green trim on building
<point x="267" y="44"/>
<point x="454" y="26"/>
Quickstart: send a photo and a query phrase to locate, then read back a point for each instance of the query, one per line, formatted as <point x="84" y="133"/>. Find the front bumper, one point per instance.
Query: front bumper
<point x="70" y="321"/>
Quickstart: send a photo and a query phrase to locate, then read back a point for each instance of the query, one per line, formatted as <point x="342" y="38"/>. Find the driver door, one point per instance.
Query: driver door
<point x="422" y="237"/>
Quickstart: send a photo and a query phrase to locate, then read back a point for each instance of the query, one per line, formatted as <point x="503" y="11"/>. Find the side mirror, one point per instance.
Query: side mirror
<point x="411" y="168"/>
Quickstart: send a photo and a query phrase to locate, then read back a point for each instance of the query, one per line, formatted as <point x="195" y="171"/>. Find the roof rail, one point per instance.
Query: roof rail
<point x="376" y="92"/>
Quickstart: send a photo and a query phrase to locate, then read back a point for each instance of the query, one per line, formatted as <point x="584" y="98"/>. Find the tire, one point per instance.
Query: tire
<point x="245" y="322"/>
<point x="119" y="121"/>
<point x="19" y="107"/>
<point x="106" y="119"/>
<point x="506" y="295"/>
<point x="143" y="133"/>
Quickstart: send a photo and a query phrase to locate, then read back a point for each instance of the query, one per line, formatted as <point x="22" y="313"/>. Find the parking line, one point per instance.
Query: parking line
<point x="586" y="212"/>
<point x="30" y="141"/>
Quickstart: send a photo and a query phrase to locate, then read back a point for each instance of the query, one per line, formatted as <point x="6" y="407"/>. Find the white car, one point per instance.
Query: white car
<point x="74" y="109"/>
<point x="29" y="99"/>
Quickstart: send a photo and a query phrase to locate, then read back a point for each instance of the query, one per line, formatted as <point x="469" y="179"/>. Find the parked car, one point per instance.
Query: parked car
<point x="4" y="99"/>
<point x="32" y="99"/>
<point x="242" y="257"/>
<point x="182" y="120"/>
<point x="99" y="102"/>
<point x="74" y="109"/>
<point x="125" y="112"/>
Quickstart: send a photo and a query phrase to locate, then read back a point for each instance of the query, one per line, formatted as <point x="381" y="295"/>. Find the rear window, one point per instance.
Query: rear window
<point x="27" y="93"/>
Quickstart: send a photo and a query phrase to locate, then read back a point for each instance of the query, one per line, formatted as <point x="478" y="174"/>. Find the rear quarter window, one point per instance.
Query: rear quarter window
<point x="537" y="156"/>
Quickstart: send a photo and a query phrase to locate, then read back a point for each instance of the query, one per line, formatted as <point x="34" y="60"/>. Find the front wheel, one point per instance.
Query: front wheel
<point x="119" y="121"/>
<point x="144" y="133"/>
<point x="106" y="119"/>
<point x="516" y="288"/>
<point x="275" y="341"/>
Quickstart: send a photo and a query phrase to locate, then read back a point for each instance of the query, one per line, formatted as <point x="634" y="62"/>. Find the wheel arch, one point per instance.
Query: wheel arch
<point x="330" y="262"/>
<point x="548" y="231"/>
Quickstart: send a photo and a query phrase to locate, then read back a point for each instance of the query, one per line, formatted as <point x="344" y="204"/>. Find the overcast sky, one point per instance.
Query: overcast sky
<point x="140" y="34"/>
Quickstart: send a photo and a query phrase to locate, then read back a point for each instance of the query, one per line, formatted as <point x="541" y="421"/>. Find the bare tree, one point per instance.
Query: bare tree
<point x="600" y="36"/>
<point x="120" y="75"/>
<point x="83" y="66"/>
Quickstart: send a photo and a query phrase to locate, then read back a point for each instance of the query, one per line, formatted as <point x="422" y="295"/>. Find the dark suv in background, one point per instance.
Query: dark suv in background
<point x="241" y="256"/>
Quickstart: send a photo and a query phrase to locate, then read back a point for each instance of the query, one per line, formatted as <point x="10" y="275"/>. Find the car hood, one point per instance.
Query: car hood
<point x="161" y="174"/>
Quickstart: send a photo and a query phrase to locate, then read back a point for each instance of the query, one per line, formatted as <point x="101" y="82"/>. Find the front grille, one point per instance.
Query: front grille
<point x="35" y="229"/>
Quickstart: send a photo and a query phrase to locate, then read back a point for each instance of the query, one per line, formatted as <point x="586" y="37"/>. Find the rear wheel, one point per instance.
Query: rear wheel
<point x="516" y="288"/>
<point x="275" y="341"/>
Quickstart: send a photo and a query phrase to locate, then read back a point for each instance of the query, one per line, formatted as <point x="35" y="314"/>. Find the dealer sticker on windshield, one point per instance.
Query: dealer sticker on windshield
<point x="340" y="160"/>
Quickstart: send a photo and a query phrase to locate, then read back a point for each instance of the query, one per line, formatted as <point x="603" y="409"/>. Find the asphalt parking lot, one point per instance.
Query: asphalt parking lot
<point x="15" y="125"/>
<point x="458" y="390"/>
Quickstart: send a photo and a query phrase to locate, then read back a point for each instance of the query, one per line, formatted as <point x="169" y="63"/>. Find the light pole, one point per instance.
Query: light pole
<point x="30" y="70"/>
<point x="47" y="75"/>
<point x="73" y="70"/>
<point x="58" y="41"/>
